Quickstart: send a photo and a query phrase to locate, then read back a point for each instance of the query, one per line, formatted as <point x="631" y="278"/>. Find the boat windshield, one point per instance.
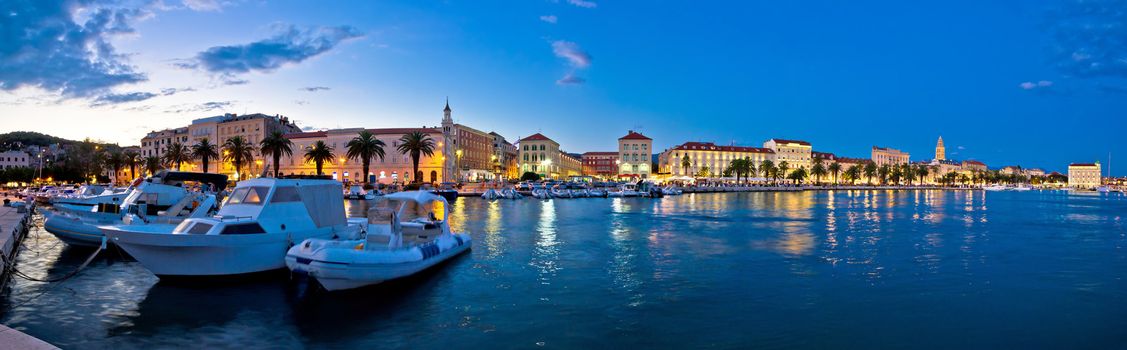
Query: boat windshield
<point x="248" y="195"/>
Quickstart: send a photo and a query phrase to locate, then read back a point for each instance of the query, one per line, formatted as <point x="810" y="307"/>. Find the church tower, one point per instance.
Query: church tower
<point x="449" y="141"/>
<point x="940" y="151"/>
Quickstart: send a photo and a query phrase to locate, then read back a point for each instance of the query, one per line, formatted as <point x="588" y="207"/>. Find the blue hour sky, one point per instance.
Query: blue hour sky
<point x="1037" y="83"/>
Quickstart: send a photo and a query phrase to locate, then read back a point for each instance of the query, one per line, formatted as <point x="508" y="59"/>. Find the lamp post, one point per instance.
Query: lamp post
<point x="546" y="163"/>
<point x="340" y="168"/>
<point x="259" y="163"/>
<point x="458" y="165"/>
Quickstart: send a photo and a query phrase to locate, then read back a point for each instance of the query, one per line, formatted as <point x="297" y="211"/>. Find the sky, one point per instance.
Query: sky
<point x="1036" y="83"/>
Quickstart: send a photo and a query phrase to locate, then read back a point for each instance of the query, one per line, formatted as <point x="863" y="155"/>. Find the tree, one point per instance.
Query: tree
<point x="238" y="151"/>
<point x="835" y="168"/>
<point x="153" y="165"/>
<point x="883" y="172"/>
<point x="818" y="170"/>
<point x="767" y="167"/>
<point x="922" y="170"/>
<point x="853" y="173"/>
<point x="751" y="170"/>
<point x="686" y="163"/>
<point x="704" y="172"/>
<point x="416" y="144"/>
<point x="205" y="151"/>
<point x="365" y="147"/>
<point x="530" y="176"/>
<point x="276" y="145"/>
<point x="870" y="170"/>
<point x="176" y="154"/>
<point x="114" y="163"/>
<point x="132" y="159"/>
<point x="319" y="153"/>
<point x="782" y="170"/>
<point x="798" y="175"/>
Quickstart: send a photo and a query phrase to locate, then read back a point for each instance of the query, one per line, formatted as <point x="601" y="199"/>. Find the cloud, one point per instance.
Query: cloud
<point x="291" y="45"/>
<point x="961" y="147"/>
<point x="301" y="102"/>
<point x="571" y="79"/>
<point x="572" y="53"/>
<point x="43" y="45"/>
<point x="111" y="99"/>
<point x="173" y="91"/>
<point x="1088" y="38"/>
<point x="583" y="3"/>
<point x="549" y="18"/>
<point x="314" y="88"/>
<point x="203" y="5"/>
<point x="1029" y="85"/>
<point x="203" y="107"/>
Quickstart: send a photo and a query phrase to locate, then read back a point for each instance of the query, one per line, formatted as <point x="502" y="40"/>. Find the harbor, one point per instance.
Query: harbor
<point x="625" y="271"/>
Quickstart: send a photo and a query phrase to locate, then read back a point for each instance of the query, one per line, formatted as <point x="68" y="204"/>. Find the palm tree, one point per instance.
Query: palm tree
<point x="767" y="167"/>
<point x="797" y="175"/>
<point x="276" y="144"/>
<point x="686" y="163"/>
<point x="132" y="159"/>
<point x="319" y="153"/>
<point x="736" y="167"/>
<point x="751" y="170"/>
<point x="238" y="151"/>
<point x="835" y="168"/>
<point x="818" y="171"/>
<point x="365" y="147"/>
<point x="853" y="173"/>
<point x="176" y="154"/>
<point x="416" y="144"/>
<point x="114" y="163"/>
<point x="782" y="170"/>
<point x="205" y="151"/>
<point x="883" y="172"/>
<point x="922" y="171"/>
<point x="152" y="164"/>
<point x="870" y="171"/>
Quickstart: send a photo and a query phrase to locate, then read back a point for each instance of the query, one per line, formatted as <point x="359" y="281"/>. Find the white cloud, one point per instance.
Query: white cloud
<point x="203" y="5"/>
<point x="572" y="53"/>
<point x="549" y="18"/>
<point x="583" y="3"/>
<point x="1029" y="85"/>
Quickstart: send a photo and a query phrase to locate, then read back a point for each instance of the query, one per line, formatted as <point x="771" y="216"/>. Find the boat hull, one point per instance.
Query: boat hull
<point x="79" y="231"/>
<point x="179" y="256"/>
<point x="342" y="273"/>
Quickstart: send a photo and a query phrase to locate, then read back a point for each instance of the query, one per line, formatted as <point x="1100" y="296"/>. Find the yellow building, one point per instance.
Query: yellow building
<point x="570" y="165"/>
<point x="1084" y="175"/>
<point x="940" y="151"/>
<point x="706" y="158"/>
<point x="541" y="155"/>
<point x="796" y="153"/>
<point x="889" y="156"/>
<point x="155" y="143"/>
<point x="635" y="155"/>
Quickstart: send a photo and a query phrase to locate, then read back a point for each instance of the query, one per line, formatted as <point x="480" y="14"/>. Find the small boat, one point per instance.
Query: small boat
<point x="91" y="195"/>
<point x="162" y="198"/>
<point x="994" y="188"/>
<point x="407" y="234"/>
<point x="260" y="220"/>
<point x="1022" y="188"/>
<point x="491" y="194"/>
<point x="559" y="192"/>
<point x="670" y="191"/>
<point x="510" y="193"/>
<point x="624" y="190"/>
<point x="596" y="192"/>
<point x="358" y="192"/>
<point x="1103" y="189"/>
<point x="447" y="190"/>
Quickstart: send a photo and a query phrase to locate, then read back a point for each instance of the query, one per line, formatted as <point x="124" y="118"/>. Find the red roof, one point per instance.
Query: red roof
<point x="600" y="154"/>
<point x="709" y="146"/>
<point x="791" y="141"/>
<point x="1082" y="164"/>
<point x="975" y="162"/>
<point x="851" y="160"/>
<point x="634" y="136"/>
<point x="823" y="155"/>
<point x="536" y="137"/>
<point x="304" y="135"/>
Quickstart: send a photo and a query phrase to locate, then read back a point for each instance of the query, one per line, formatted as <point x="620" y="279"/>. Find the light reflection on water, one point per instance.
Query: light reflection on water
<point x="901" y="269"/>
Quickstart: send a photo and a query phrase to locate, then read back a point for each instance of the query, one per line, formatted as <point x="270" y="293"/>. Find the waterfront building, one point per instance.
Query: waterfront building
<point x="796" y="153"/>
<point x="541" y="155"/>
<point x="706" y="159"/>
<point x="826" y="159"/>
<point x="600" y="164"/>
<point x="846" y="163"/>
<point x="394" y="167"/>
<point x="940" y="151"/>
<point x="1034" y="172"/>
<point x="889" y="156"/>
<point x="973" y="166"/>
<point x="1084" y="175"/>
<point x="155" y="143"/>
<point x="570" y="165"/>
<point x="504" y="157"/>
<point x="635" y="155"/>
<point x="14" y="159"/>
<point x="253" y="128"/>
<point x="469" y="152"/>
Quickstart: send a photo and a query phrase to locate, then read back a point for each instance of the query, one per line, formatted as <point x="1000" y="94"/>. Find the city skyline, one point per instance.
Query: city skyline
<point x="844" y="78"/>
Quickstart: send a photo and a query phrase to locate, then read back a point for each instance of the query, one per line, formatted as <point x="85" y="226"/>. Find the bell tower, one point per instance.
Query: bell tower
<point x="449" y="141"/>
<point x="940" y="151"/>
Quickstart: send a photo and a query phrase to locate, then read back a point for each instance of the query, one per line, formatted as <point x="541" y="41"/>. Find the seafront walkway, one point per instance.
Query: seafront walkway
<point x="12" y="229"/>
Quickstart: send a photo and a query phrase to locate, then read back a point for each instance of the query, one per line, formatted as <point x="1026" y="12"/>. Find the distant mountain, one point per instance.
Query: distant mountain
<point x="31" y="138"/>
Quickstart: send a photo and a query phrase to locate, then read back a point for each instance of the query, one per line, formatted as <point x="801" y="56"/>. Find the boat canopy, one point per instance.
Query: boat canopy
<point x="419" y="205"/>
<point x="217" y="181"/>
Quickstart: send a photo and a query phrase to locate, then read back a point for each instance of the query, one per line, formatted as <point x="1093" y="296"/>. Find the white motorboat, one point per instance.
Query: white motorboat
<point x="91" y="195"/>
<point x="596" y="192"/>
<point x="1103" y="189"/>
<point x="559" y="192"/>
<point x="357" y="192"/>
<point x="670" y="191"/>
<point x="511" y="193"/>
<point x="407" y="234"/>
<point x="163" y="198"/>
<point x="260" y="220"/>
<point x="491" y="194"/>
<point x="994" y="188"/>
<point x="1022" y="188"/>
<point x="624" y="190"/>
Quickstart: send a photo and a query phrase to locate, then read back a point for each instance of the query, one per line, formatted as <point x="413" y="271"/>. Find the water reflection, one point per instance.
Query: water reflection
<point x="546" y="253"/>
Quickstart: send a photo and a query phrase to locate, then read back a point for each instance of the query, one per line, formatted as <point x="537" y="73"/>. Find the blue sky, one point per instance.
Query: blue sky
<point x="1036" y="83"/>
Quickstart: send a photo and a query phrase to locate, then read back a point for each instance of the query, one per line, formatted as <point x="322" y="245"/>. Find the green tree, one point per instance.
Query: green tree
<point x="835" y="169"/>
<point x="853" y="173"/>
<point x="782" y="170"/>
<point x="239" y="152"/>
<point x="205" y="151"/>
<point x="114" y="163"/>
<point x="319" y="153"/>
<point x="276" y="145"/>
<point x="922" y="171"/>
<point x="176" y="154"/>
<point x="416" y="144"/>
<point x="153" y="165"/>
<point x="365" y="147"/>
<point x="767" y="167"/>
<point x="798" y="175"/>
<point x="132" y="159"/>
<point x="686" y="164"/>
<point x="752" y="171"/>
<point x="883" y="172"/>
<point x="870" y="170"/>
<point x="818" y="170"/>
<point x="530" y="176"/>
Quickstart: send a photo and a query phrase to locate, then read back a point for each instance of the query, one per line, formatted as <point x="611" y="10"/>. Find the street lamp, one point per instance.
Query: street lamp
<point x="340" y="168"/>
